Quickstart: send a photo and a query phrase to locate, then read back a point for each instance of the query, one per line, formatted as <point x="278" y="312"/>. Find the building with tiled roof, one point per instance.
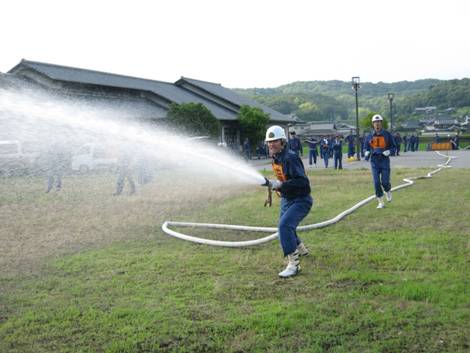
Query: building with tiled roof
<point x="151" y="98"/>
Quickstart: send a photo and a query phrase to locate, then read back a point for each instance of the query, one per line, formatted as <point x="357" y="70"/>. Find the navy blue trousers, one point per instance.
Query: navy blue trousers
<point x="312" y="154"/>
<point x="351" y="150"/>
<point x="325" y="157"/>
<point x="380" y="167"/>
<point x="338" y="160"/>
<point x="293" y="211"/>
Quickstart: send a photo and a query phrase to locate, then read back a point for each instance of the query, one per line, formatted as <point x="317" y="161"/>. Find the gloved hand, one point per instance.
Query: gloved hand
<point x="367" y="155"/>
<point x="386" y="153"/>
<point x="275" y="184"/>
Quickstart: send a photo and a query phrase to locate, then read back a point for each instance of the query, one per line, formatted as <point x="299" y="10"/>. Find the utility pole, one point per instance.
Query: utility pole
<point x="390" y="99"/>
<point x="355" y="86"/>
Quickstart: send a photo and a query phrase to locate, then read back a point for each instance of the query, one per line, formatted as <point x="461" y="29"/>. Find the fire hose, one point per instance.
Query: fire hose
<point x="237" y="244"/>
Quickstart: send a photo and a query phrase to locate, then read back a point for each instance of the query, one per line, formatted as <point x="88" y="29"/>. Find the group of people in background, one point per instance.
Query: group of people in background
<point x="411" y="143"/>
<point x="325" y="148"/>
<point x="454" y="140"/>
<point x="331" y="146"/>
<point x="56" y="164"/>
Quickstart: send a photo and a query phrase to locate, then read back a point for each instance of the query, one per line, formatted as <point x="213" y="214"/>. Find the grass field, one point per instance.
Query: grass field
<point x="83" y="271"/>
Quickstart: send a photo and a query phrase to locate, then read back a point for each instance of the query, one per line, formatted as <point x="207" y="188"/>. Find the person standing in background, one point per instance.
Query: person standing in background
<point x="295" y="144"/>
<point x="312" y="150"/>
<point x="338" y="152"/>
<point x="56" y="162"/>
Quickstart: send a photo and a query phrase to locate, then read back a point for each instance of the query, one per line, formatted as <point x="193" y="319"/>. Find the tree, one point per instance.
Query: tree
<point x="366" y="123"/>
<point x="253" y="122"/>
<point x="193" y="119"/>
<point x="308" y="111"/>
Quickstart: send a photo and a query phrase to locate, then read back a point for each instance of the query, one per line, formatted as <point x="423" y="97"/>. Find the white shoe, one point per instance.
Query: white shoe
<point x="293" y="265"/>
<point x="388" y="196"/>
<point x="302" y="249"/>
<point x="381" y="202"/>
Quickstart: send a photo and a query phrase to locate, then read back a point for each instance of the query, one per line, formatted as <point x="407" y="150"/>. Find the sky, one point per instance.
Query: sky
<point x="243" y="43"/>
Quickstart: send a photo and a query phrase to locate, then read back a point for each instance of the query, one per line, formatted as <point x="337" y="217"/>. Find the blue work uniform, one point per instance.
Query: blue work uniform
<point x="296" y="201"/>
<point x="361" y="143"/>
<point x="312" y="151"/>
<point x="412" y="143"/>
<point x="398" y="141"/>
<point x="338" y="153"/>
<point x="295" y="145"/>
<point x="325" y="151"/>
<point x="376" y="143"/>
<point x="351" y="149"/>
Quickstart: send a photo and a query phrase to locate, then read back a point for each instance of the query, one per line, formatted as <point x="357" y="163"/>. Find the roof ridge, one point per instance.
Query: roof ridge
<point x="194" y="79"/>
<point x="88" y="70"/>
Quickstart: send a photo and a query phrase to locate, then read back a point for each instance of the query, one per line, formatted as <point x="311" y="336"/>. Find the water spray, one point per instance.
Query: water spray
<point x="238" y="244"/>
<point x="44" y="117"/>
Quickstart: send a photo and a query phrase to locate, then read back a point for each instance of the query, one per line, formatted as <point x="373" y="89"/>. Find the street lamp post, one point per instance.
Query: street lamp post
<point x="355" y="86"/>
<point x="390" y="99"/>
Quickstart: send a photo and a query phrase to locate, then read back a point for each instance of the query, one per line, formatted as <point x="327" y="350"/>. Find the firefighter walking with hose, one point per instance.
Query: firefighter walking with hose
<point x="293" y="186"/>
<point x="378" y="144"/>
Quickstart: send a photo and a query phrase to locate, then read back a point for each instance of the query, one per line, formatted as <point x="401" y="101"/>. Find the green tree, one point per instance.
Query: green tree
<point x="366" y="122"/>
<point x="308" y="111"/>
<point x="193" y="119"/>
<point x="330" y="100"/>
<point x="253" y="122"/>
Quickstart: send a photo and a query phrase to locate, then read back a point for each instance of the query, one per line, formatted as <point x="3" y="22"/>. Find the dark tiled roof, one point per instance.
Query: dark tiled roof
<point x="140" y="107"/>
<point x="234" y="98"/>
<point x="169" y="91"/>
<point x="166" y="90"/>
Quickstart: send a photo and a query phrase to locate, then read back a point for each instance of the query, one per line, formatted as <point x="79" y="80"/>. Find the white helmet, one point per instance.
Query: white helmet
<point x="275" y="133"/>
<point x="377" y="117"/>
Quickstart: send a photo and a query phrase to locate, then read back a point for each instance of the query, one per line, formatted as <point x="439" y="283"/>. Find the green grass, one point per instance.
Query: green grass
<point x="392" y="280"/>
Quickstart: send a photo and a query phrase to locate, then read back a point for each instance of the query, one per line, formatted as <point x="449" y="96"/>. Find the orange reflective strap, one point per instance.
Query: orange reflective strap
<point x="279" y="172"/>
<point x="378" y="142"/>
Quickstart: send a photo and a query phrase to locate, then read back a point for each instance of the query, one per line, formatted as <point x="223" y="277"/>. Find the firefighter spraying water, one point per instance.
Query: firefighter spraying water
<point x="293" y="187"/>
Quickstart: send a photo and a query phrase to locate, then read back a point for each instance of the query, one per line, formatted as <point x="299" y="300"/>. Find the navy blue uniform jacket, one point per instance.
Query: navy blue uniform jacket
<point x="289" y="169"/>
<point x="377" y="142"/>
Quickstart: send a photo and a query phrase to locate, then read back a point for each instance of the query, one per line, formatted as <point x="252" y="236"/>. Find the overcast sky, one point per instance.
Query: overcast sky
<point x="243" y="43"/>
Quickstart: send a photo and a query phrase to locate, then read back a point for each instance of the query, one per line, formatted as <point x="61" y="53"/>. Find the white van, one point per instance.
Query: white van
<point x="93" y="156"/>
<point x="17" y="157"/>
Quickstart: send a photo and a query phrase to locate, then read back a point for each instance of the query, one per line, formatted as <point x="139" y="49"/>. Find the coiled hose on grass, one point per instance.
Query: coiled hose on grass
<point x="238" y="244"/>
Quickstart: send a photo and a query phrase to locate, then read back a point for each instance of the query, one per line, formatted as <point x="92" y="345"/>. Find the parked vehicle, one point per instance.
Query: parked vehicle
<point x="18" y="157"/>
<point x="93" y="156"/>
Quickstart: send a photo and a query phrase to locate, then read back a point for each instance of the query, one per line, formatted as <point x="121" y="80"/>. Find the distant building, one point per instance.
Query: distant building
<point x="448" y="123"/>
<point x="315" y="129"/>
<point x="149" y="98"/>
<point x="427" y="110"/>
<point x="345" y="129"/>
<point x="410" y="126"/>
<point x="466" y="123"/>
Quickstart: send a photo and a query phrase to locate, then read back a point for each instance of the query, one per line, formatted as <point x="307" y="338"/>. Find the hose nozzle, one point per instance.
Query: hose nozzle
<point x="266" y="182"/>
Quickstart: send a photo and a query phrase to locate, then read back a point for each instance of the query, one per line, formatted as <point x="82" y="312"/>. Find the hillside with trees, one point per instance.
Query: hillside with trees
<point x="335" y="100"/>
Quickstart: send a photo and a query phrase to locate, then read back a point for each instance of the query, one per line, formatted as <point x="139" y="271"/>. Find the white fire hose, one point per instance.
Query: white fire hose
<point x="238" y="244"/>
